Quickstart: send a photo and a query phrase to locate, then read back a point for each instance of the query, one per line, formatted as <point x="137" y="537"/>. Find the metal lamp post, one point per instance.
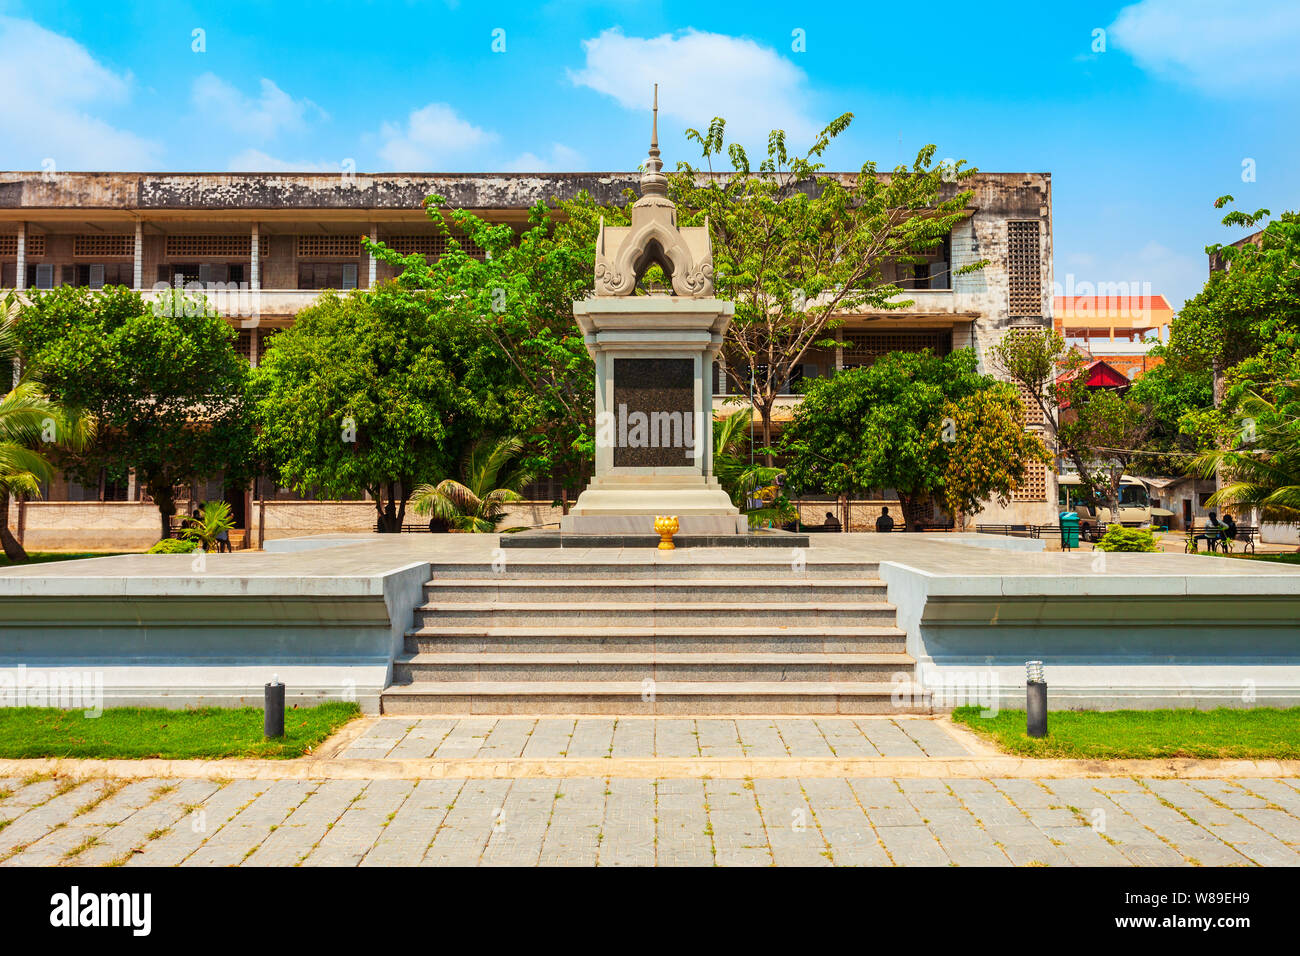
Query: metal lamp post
<point x="1035" y="700"/>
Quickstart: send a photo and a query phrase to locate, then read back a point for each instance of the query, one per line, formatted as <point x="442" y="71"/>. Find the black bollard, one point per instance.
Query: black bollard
<point x="1035" y="700"/>
<point x="273" y="709"/>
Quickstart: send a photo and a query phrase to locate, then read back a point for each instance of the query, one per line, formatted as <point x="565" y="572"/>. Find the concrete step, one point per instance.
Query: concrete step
<point x="770" y="564"/>
<point x="694" y="590"/>
<point x="668" y="697"/>
<point x="640" y="666"/>
<point x="589" y="614"/>
<point x="679" y="639"/>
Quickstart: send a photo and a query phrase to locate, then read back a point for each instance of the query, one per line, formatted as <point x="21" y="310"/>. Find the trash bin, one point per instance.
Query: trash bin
<point x="1069" y="530"/>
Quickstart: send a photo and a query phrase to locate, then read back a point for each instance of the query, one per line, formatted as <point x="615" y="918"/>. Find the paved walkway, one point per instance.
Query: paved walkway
<point x="449" y="738"/>
<point x="380" y="795"/>
<point x="617" y="821"/>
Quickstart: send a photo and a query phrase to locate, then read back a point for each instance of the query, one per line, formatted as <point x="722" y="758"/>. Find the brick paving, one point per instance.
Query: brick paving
<point x="607" y="821"/>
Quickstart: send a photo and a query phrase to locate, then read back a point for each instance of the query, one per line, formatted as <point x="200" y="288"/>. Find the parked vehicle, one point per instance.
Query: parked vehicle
<point x="1134" y="505"/>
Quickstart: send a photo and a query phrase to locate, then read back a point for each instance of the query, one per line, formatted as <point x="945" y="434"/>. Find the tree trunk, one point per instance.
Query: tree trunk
<point x="765" y="413"/>
<point x="14" y="550"/>
<point x="166" y="507"/>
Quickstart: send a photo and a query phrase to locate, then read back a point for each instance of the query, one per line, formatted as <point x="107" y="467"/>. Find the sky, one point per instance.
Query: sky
<point x="1143" y="112"/>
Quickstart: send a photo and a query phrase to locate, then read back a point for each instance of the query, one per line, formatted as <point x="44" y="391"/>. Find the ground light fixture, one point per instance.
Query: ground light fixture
<point x="1035" y="700"/>
<point x="273" y="708"/>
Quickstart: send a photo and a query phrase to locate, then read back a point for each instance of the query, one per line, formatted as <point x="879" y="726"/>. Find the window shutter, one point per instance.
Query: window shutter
<point x="939" y="275"/>
<point x="45" y="276"/>
<point x="349" y="276"/>
<point x="96" y="276"/>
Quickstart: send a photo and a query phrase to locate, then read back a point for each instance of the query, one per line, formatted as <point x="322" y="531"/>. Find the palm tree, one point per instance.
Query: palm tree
<point x="1264" y="472"/>
<point x="212" y="521"/>
<point x="489" y="480"/>
<point x="28" y="419"/>
<point x="754" y="488"/>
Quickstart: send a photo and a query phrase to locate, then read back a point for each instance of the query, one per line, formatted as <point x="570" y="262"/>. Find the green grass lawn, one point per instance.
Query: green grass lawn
<point x="40" y="557"/>
<point x="1285" y="557"/>
<point x="1264" y="732"/>
<point x="138" y="732"/>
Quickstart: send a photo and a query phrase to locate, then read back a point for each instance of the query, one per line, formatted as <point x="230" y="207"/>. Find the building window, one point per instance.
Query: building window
<point x="310" y="247"/>
<point x="103" y="247"/>
<point x="863" y="348"/>
<point x="209" y="247"/>
<point x="35" y="247"/>
<point x="327" y="275"/>
<point x="1024" y="268"/>
<point x="204" y="272"/>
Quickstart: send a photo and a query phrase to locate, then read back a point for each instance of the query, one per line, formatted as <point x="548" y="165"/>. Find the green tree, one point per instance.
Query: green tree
<point x="519" y="295"/>
<point x="490" y="478"/>
<point x="1108" y="429"/>
<point x="880" y="426"/>
<point x="985" y="450"/>
<point x="374" y="392"/>
<point x="1246" y="306"/>
<point x="1260" y="457"/>
<point x="162" y="381"/>
<point x="796" y="248"/>
<point x="29" y="421"/>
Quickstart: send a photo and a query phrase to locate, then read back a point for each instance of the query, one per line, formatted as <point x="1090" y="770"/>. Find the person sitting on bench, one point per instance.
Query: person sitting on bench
<point x="831" y="523"/>
<point x="1229" y="530"/>
<point x="884" y="522"/>
<point x="1213" y="533"/>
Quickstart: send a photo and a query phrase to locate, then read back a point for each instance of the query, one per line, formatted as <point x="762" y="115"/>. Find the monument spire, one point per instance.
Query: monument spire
<point x="653" y="181"/>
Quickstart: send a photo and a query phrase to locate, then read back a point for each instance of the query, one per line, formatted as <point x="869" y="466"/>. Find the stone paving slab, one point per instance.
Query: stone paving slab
<point x="620" y="821"/>
<point x="447" y="738"/>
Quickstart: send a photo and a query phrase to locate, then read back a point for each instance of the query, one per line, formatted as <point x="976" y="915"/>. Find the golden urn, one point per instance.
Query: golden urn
<point x="666" y="525"/>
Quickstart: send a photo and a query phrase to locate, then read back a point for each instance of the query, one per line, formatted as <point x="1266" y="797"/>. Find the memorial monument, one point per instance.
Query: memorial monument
<point x="654" y="356"/>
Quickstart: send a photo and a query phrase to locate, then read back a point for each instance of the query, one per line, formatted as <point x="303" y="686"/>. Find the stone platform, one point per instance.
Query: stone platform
<point x="334" y="617"/>
<point x="560" y="539"/>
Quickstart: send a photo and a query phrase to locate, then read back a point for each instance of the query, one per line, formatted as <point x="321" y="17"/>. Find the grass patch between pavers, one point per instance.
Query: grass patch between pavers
<point x="1259" y="733"/>
<point x="140" y="732"/>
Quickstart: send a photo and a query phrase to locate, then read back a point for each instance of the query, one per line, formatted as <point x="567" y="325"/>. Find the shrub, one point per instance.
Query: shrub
<point x="1120" y="538"/>
<point x="172" y="546"/>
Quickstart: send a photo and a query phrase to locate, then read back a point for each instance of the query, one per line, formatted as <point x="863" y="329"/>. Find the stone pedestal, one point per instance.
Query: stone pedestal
<point x="654" y="416"/>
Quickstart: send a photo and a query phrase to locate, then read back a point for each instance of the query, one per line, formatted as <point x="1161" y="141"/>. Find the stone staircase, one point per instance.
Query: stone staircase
<point x="654" y="633"/>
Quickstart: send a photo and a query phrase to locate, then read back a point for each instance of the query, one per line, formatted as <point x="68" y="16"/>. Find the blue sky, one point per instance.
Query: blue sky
<point x="1143" y="112"/>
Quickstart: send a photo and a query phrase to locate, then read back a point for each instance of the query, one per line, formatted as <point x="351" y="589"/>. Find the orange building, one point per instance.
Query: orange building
<point x="1117" y="329"/>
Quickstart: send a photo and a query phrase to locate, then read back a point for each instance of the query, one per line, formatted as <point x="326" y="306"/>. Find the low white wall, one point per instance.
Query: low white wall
<point x="1279" y="533"/>
<point x="1107" y="641"/>
<point x="177" y="639"/>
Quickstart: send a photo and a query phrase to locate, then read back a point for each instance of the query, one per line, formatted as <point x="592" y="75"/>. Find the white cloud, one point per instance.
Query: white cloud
<point x="256" y="161"/>
<point x="273" y="112"/>
<point x="47" y="84"/>
<point x="1148" y="269"/>
<point x="562" y="159"/>
<point x="702" y="75"/>
<point x="1218" y="47"/>
<point x="433" y="136"/>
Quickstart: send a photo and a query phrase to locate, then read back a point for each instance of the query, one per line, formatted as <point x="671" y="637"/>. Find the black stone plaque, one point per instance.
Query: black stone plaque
<point x="654" y="424"/>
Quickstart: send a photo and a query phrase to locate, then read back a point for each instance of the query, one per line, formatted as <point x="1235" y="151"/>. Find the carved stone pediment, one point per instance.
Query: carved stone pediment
<point x="624" y="253"/>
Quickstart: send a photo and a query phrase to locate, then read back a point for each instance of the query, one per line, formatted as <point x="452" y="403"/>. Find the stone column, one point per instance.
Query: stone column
<point x="20" y="277"/>
<point x="138" y="275"/>
<point x="374" y="263"/>
<point x="839" y="350"/>
<point x="255" y="260"/>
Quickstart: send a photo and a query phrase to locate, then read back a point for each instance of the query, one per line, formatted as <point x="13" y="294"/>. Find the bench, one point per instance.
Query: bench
<point x="1216" y="536"/>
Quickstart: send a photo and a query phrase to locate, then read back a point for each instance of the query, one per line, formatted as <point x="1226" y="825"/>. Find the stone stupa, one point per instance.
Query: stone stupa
<point x="654" y="357"/>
